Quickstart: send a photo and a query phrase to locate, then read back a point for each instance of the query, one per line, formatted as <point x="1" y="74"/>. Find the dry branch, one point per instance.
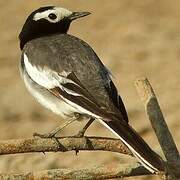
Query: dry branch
<point x="62" y="144"/>
<point x="159" y="125"/>
<point x="157" y="120"/>
<point x="69" y="144"/>
<point x="99" y="172"/>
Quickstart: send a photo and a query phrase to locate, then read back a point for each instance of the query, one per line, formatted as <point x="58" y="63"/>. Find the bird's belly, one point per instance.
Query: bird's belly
<point x="47" y="99"/>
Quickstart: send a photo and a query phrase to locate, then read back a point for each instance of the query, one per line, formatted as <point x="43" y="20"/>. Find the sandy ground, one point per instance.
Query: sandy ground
<point x="133" y="38"/>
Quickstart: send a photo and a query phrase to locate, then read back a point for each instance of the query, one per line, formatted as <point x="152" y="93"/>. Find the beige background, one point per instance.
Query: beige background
<point x="132" y="37"/>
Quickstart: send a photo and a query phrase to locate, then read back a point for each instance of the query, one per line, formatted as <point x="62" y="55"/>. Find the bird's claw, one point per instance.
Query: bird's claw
<point x="80" y="134"/>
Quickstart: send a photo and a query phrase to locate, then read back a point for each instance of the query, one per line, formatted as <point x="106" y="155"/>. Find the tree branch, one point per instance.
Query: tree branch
<point x="158" y="123"/>
<point x="98" y="172"/>
<point x="62" y="144"/>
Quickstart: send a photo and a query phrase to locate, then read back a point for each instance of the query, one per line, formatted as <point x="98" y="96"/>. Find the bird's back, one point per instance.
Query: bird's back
<point x="63" y="52"/>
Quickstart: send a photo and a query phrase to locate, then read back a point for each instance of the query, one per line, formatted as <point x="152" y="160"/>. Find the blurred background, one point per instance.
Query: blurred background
<point x="132" y="37"/>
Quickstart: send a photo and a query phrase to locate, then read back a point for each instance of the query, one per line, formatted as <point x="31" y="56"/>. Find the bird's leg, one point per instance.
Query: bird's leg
<point x="56" y="130"/>
<point x="81" y="133"/>
<point x="83" y="130"/>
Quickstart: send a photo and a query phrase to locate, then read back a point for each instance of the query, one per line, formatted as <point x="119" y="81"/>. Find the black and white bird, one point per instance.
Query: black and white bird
<point x="65" y="75"/>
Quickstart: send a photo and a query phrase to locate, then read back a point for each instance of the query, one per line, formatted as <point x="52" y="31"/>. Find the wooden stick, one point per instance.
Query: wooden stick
<point x="98" y="172"/>
<point x="62" y="144"/>
<point x="68" y="144"/>
<point x="157" y="120"/>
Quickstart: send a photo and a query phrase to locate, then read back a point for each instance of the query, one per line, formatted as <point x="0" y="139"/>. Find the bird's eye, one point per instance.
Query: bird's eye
<point x="52" y="16"/>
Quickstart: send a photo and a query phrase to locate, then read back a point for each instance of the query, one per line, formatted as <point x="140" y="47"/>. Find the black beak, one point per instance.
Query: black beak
<point x="76" y="15"/>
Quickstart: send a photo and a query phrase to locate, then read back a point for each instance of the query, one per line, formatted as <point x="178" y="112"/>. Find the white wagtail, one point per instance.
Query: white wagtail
<point x="65" y="75"/>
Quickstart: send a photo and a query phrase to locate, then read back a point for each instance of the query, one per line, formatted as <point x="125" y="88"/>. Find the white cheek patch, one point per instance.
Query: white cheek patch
<point x="59" y="12"/>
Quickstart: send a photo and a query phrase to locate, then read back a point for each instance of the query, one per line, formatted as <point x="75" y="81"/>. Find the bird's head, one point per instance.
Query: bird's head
<point x="46" y="21"/>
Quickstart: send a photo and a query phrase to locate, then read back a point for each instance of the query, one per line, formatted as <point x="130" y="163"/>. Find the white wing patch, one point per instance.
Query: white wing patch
<point x="70" y="91"/>
<point x="58" y="11"/>
<point x="44" y="76"/>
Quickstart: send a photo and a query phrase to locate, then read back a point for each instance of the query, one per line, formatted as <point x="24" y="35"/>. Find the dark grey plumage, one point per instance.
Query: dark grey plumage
<point x="63" y="52"/>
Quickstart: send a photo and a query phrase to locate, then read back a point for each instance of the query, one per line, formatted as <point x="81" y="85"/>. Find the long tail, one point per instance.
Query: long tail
<point x="148" y="158"/>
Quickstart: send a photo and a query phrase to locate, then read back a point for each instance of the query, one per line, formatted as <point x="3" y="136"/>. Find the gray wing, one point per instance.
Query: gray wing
<point x="67" y="53"/>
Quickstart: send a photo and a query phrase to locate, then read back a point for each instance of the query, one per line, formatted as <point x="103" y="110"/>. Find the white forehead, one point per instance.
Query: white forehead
<point x="58" y="11"/>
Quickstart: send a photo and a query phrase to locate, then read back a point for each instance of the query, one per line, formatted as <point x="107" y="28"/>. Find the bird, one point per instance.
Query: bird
<point x="65" y="75"/>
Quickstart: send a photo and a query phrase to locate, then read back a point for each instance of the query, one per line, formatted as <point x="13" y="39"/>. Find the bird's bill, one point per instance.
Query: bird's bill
<point x="76" y="15"/>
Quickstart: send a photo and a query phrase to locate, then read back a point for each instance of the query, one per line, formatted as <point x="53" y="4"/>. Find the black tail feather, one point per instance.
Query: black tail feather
<point x="137" y="145"/>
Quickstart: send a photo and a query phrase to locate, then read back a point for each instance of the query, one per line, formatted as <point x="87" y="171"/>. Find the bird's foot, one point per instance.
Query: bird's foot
<point x="51" y="136"/>
<point x="80" y="134"/>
